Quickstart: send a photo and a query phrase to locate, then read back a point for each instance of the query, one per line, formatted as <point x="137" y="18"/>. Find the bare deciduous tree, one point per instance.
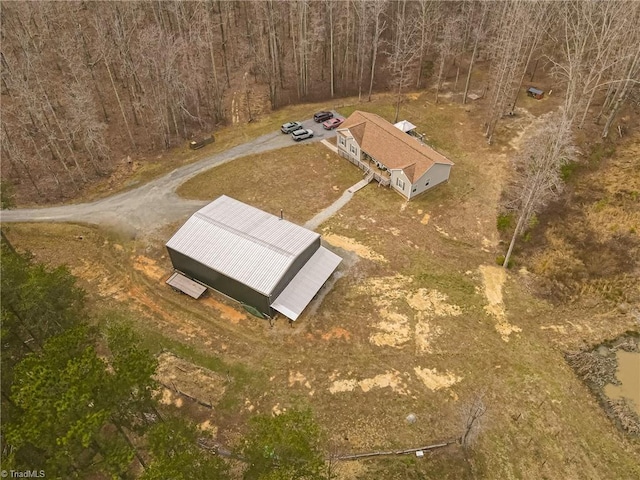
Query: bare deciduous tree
<point x="379" y="26"/>
<point x="403" y="55"/>
<point x="473" y="416"/>
<point x="548" y="146"/>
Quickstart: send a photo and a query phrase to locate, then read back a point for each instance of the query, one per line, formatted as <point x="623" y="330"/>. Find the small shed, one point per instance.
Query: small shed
<point x="535" y="93"/>
<point x="253" y="257"/>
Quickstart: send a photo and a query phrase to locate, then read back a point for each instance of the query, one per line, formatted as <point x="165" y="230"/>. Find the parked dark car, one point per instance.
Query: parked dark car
<point x="332" y="123"/>
<point x="302" y="134"/>
<point x="290" y="127"/>
<point x="322" y="116"/>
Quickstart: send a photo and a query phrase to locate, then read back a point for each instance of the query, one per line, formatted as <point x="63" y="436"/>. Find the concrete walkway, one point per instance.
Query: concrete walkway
<point x="330" y="146"/>
<point x="336" y="206"/>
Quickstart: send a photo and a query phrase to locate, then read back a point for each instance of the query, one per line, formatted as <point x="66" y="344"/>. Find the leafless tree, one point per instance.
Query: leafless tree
<point x="403" y="55"/>
<point x="478" y="33"/>
<point x="448" y="44"/>
<point x="473" y="416"/>
<point x="548" y="146"/>
<point x="513" y="27"/>
<point x="379" y="25"/>
<point x="329" y="8"/>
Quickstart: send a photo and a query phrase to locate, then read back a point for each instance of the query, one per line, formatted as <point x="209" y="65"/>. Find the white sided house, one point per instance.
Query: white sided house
<point x="390" y="156"/>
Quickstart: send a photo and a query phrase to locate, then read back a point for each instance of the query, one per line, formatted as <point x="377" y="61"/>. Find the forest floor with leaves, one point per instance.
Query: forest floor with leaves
<point x="421" y="320"/>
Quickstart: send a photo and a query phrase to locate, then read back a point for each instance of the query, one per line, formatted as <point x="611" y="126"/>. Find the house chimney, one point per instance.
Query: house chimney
<point x="281" y="217"/>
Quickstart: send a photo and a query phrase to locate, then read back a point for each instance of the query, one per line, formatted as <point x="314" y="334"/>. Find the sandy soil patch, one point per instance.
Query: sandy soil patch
<point x="493" y="278"/>
<point x="336" y="332"/>
<point x="351" y="245"/>
<point x="226" y="312"/>
<point x="207" y="426"/>
<point x="425" y="219"/>
<point x="394" y="331"/>
<point x="505" y="329"/>
<point x="432" y="302"/>
<point x="98" y="276"/>
<point x="148" y="267"/>
<point x="168" y="397"/>
<point x="182" y="376"/>
<point x="425" y="333"/>
<point x="343" y="386"/>
<point x="435" y="381"/>
<point x="391" y="379"/>
<point x="297" y="377"/>
<point x="384" y="290"/>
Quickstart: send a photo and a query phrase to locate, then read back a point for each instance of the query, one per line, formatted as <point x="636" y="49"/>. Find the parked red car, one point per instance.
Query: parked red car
<point x="333" y="123"/>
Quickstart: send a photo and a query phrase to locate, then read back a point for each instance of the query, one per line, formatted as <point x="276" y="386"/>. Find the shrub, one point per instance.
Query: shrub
<point x="504" y="221"/>
<point x="500" y="261"/>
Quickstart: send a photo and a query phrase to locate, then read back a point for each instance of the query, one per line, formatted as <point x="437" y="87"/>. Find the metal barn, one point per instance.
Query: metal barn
<point x="254" y="257"/>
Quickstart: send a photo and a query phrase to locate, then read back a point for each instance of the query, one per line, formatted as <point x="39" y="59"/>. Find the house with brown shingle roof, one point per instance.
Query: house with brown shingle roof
<point x="390" y="156"/>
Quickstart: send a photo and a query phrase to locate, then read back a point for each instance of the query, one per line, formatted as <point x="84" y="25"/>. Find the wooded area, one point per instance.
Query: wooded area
<point x="86" y="83"/>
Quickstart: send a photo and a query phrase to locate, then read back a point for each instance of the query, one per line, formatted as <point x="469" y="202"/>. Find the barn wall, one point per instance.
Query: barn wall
<point x="295" y="268"/>
<point x="220" y="282"/>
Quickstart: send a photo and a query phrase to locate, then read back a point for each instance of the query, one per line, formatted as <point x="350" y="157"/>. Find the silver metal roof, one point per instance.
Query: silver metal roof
<point x="242" y="242"/>
<point x="301" y="290"/>
<point x="186" y="285"/>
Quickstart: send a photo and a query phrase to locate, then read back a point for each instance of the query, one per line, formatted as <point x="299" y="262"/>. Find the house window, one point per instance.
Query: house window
<point x="342" y="140"/>
<point x="400" y="183"/>
<point x="354" y="150"/>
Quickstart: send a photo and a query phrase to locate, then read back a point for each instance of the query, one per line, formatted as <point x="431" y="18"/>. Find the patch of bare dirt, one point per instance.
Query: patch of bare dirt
<point x="336" y="333"/>
<point x="149" y="267"/>
<point x="390" y="379"/>
<point x="227" y="312"/>
<point x="394" y="331"/>
<point x="425" y="333"/>
<point x="434" y="380"/>
<point x="182" y="376"/>
<point x="432" y="302"/>
<point x="105" y="283"/>
<point x="391" y="295"/>
<point x="298" y="378"/>
<point x="351" y="245"/>
<point x="493" y="278"/>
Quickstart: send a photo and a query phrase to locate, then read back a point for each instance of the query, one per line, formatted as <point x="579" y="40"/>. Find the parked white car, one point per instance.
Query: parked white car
<point x="302" y="134"/>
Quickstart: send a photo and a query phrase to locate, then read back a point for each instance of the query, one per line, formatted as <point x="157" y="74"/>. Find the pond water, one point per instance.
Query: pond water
<point x="628" y="374"/>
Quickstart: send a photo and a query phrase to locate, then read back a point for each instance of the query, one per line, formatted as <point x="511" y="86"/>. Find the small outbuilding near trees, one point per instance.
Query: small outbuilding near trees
<point x="266" y="263"/>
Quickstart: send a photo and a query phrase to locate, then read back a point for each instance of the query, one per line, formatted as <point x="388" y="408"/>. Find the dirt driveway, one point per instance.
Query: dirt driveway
<point x="155" y="204"/>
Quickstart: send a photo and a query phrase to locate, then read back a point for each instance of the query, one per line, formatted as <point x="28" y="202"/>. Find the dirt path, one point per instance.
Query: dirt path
<point x="155" y="204"/>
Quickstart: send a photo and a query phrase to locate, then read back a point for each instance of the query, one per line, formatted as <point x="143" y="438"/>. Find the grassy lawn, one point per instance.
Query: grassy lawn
<point x="301" y="180"/>
<point x="412" y="326"/>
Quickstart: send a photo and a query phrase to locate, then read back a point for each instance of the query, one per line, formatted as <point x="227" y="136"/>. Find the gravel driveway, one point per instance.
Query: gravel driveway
<point x="155" y="204"/>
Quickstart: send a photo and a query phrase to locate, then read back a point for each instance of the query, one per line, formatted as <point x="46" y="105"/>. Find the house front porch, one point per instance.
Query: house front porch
<point x="369" y="167"/>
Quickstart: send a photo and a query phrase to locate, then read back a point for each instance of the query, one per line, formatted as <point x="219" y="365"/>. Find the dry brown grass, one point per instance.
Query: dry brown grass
<point x="301" y="180"/>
